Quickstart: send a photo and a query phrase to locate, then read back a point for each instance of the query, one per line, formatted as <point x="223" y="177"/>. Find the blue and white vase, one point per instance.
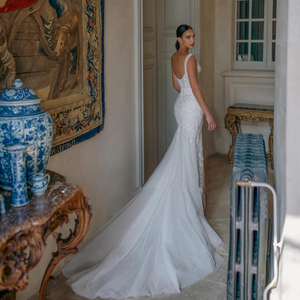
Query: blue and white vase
<point x="39" y="183"/>
<point x="18" y="154"/>
<point x="23" y="121"/>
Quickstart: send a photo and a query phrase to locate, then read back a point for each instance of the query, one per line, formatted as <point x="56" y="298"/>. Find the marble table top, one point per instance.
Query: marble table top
<point x="38" y="211"/>
<point x="253" y="106"/>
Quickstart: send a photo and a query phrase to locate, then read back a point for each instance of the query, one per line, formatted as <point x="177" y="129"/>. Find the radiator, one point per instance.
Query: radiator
<point x="248" y="221"/>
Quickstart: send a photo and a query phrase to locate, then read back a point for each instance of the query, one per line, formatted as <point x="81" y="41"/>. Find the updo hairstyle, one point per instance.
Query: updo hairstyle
<point x="179" y="32"/>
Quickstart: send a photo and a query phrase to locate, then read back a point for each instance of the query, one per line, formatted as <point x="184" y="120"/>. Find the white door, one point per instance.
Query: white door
<point x="171" y="14"/>
<point x="150" y="87"/>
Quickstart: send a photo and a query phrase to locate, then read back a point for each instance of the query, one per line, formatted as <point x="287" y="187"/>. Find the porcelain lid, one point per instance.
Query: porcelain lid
<point x="18" y="93"/>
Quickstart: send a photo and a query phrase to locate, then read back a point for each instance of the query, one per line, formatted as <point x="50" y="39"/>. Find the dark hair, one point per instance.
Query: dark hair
<point x="179" y="32"/>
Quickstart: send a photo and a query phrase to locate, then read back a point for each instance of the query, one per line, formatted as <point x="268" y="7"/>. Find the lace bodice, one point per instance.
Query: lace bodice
<point x="184" y="81"/>
<point x="187" y="111"/>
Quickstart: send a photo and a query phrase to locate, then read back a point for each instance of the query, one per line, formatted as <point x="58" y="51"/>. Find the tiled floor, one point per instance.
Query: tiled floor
<point x="213" y="287"/>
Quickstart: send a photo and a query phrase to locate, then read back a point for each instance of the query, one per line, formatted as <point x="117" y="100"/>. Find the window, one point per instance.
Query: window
<point x="255" y="34"/>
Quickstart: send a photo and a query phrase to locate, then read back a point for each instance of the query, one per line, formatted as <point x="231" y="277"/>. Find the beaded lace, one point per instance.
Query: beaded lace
<point x="189" y="117"/>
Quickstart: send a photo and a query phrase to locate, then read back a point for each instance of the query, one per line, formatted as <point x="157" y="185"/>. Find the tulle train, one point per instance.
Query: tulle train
<point x="159" y="243"/>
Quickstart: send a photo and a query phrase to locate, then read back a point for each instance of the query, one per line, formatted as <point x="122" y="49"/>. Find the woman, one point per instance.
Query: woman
<point x="161" y="241"/>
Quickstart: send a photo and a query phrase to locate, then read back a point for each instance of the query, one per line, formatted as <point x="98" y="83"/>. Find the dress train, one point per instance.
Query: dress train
<point x="160" y="242"/>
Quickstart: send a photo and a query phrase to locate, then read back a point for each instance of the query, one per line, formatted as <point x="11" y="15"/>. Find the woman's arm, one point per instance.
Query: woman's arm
<point x="192" y="74"/>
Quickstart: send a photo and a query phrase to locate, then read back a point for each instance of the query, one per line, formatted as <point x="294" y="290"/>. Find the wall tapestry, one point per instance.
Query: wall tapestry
<point x="56" y="48"/>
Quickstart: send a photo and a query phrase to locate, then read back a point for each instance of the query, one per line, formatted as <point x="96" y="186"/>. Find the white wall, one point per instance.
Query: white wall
<point x="216" y="39"/>
<point x="207" y="54"/>
<point x="287" y="145"/>
<point x="104" y="165"/>
<point x="223" y="62"/>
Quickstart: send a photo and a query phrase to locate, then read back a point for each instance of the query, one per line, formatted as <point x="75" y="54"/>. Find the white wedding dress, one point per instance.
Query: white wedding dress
<point x="161" y="241"/>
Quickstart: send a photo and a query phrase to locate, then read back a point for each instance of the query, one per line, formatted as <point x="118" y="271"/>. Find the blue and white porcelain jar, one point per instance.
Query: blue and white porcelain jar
<point x="39" y="183"/>
<point x="18" y="155"/>
<point x="23" y="121"/>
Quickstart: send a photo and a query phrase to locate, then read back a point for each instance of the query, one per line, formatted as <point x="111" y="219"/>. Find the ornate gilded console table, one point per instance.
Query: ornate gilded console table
<point x="251" y="113"/>
<point x="24" y="231"/>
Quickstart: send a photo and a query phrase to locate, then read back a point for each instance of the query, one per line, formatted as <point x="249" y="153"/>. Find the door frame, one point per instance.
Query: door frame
<point x="139" y="83"/>
<point x="139" y="92"/>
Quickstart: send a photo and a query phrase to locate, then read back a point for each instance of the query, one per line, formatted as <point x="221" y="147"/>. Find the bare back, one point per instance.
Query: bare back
<point x="177" y="62"/>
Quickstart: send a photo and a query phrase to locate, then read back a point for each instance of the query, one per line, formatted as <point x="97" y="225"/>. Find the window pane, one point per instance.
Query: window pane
<point x="258" y="9"/>
<point x="242" y="31"/>
<point x="241" y="51"/>
<point x="243" y="10"/>
<point x="273" y="51"/>
<point x="274" y="8"/>
<point x="274" y="30"/>
<point x="257" y="51"/>
<point x="257" y="30"/>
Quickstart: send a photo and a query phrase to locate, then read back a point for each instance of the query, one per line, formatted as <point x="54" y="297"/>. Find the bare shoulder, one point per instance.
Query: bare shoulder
<point x="175" y="54"/>
<point x="174" y="57"/>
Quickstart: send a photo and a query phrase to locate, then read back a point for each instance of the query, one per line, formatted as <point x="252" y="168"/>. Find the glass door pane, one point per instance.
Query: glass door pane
<point x="243" y="10"/>
<point x="252" y="27"/>
<point x="258" y="9"/>
<point x="242" y="31"/>
<point x="274" y="30"/>
<point x="274" y="9"/>
<point x="257" y="51"/>
<point x="257" y="30"/>
<point x="241" y="51"/>
<point x="273" y="51"/>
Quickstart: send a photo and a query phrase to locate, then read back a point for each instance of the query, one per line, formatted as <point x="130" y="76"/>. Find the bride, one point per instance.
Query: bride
<point x="160" y="241"/>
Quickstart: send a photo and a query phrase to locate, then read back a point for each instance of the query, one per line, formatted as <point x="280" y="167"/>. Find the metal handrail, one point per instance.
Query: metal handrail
<point x="277" y="246"/>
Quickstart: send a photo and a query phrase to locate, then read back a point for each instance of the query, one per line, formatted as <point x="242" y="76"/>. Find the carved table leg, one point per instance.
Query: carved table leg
<point x="230" y="121"/>
<point x="78" y="204"/>
<point x="18" y="256"/>
<point x="270" y="152"/>
<point x="238" y="125"/>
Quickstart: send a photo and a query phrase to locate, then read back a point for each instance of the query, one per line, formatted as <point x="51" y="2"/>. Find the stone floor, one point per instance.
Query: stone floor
<point x="212" y="287"/>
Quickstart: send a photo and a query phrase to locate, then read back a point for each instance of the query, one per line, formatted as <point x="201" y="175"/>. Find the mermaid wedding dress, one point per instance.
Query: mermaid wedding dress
<point x="161" y="241"/>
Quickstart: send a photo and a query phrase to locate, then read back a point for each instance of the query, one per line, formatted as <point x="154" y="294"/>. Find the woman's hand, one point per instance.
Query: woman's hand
<point x="211" y="122"/>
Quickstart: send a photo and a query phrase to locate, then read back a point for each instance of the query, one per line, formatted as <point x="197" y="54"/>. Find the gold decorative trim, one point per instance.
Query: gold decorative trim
<point x="233" y="119"/>
<point x="65" y="246"/>
<point x="23" y="251"/>
<point x="18" y="256"/>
